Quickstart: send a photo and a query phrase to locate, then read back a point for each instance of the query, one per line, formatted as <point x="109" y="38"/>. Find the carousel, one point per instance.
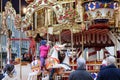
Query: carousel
<point x="82" y="28"/>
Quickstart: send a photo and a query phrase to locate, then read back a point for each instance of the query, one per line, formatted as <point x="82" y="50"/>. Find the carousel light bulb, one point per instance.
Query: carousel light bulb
<point x="24" y="10"/>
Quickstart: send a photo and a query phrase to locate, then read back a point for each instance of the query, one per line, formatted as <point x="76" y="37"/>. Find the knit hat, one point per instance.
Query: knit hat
<point x="43" y="42"/>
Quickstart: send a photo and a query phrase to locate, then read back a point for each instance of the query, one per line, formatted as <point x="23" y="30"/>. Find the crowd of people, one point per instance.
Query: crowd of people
<point x="108" y="69"/>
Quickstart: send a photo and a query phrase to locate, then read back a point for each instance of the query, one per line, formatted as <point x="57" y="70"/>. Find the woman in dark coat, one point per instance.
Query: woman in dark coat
<point x="110" y="72"/>
<point x="80" y="73"/>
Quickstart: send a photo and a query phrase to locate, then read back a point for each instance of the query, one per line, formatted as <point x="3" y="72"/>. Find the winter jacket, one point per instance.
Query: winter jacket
<point x="80" y="74"/>
<point x="110" y="72"/>
<point x="1" y="76"/>
<point x="44" y="50"/>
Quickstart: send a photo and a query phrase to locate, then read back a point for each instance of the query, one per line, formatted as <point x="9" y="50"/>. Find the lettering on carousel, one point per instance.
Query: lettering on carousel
<point x="94" y="36"/>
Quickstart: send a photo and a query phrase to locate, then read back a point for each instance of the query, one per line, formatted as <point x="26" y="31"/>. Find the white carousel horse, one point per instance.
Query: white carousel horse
<point x="53" y="59"/>
<point x="66" y="62"/>
<point x="35" y="66"/>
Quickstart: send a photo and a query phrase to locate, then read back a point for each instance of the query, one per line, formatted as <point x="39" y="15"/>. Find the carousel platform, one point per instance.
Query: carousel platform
<point x="25" y="70"/>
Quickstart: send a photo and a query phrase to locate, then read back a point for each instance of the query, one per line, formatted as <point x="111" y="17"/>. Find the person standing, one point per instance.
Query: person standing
<point x="32" y="48"/>
<point x="80" y="73"/>
<point x="44" y="49"/>
<point x="110" y="72"/>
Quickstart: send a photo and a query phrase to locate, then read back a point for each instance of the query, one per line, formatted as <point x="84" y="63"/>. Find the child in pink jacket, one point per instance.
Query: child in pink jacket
<point x="43" y="52"/>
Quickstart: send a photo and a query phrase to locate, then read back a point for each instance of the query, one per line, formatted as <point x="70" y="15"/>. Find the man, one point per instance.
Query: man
<point x="80" y="73"/>
<point x="110" y="72"/>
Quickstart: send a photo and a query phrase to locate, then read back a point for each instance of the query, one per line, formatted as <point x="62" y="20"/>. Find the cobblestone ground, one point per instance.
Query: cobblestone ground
<point x="25" y="70"/>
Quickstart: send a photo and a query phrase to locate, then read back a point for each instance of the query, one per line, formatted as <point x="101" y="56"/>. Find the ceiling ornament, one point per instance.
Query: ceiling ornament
<point x="35" y="6"/>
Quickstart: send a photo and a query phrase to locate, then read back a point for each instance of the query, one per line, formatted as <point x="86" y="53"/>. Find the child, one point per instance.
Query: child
<point x="43" y="52"/>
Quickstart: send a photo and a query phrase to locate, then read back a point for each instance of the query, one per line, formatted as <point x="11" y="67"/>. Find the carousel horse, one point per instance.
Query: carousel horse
<point x="9" y="72"/>
<point x="65" y="63"/>
<point x="35" y="66"/>
<point x="53" y="59"/>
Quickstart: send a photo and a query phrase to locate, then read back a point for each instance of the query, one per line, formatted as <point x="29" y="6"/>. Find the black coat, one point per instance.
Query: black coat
<point x="110" y="72"/>
<point x="80" y="74"/>
<point x="1" y="76"/>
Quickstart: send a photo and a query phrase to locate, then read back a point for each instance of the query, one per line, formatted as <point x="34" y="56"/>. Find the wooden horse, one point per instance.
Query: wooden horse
<point x="35" y="66"/>
<point x="53" y="59"/>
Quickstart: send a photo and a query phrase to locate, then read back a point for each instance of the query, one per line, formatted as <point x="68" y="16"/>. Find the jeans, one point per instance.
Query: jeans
<point x="42" y="59"/>
<point x="51" y="74"/>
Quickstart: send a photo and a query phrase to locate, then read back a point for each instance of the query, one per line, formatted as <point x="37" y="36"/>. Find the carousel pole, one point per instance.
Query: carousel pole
<point x="60" y="35"/>
<point x="82" y="12"/>
<point x="72" y="37"/>
<point x="46" y="10"/>
<point x="72" y="43"/>
<point x="35" y="29"/>
<point x="116" y="26"/>
<point x="20" y="42"/>
<point x="11" y="35"/>
<point x="1" y="36"/>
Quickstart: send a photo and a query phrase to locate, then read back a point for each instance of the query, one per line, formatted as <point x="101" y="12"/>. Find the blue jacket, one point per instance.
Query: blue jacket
<point x="110" y="72"/>
<point x="1" y="76"/>
<point x="80" y="74"/>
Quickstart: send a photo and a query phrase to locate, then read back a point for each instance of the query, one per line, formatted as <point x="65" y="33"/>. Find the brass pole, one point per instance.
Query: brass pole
<point x="115" y="25"/>
<point x="82" y="45"/>
<point x="35" y="29"/>
<point x="71" y="28"/>
<point x="46" y="10"/>
<point x="60" y="35"/>
<point x="20" y="42"/>
<point x="11" y="36"/>
<point x="72" y="37"/>
<point x="1" y="35"/>
<point x="81" y="15"/>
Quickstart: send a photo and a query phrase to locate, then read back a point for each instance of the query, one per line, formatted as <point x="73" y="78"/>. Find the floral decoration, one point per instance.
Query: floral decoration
<point x="71" y="14"/>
